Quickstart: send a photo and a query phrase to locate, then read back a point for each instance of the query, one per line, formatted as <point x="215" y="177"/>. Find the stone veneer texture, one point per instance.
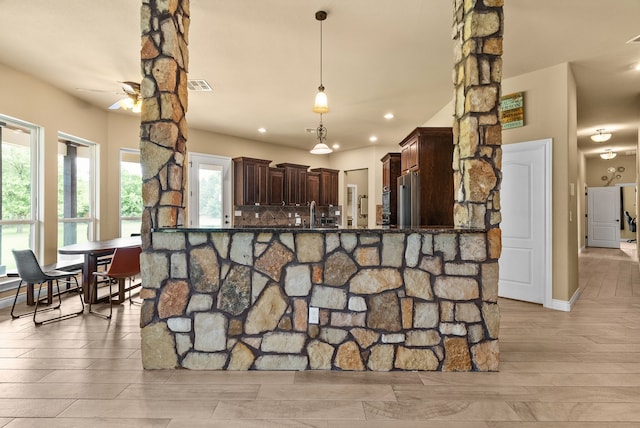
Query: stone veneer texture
<point x="387" y="300"/>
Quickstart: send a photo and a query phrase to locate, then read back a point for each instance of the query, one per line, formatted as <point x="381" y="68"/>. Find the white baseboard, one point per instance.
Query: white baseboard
<point x="564" y="305"/>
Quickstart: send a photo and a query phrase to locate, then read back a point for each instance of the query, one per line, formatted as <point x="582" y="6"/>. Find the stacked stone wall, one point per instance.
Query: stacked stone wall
<point x="401" y="300"/>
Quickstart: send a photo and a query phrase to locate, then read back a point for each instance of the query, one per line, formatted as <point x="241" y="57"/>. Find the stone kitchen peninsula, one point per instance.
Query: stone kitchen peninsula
<point x="321" y="299"/>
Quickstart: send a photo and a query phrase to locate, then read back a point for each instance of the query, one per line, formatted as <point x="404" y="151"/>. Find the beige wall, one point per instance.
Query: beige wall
<point x="550" y="112"/>
<point x="31" y="100"/>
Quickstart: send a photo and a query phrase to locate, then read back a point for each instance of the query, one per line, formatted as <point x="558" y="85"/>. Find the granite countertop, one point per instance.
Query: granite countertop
<point x="287" y="229"/>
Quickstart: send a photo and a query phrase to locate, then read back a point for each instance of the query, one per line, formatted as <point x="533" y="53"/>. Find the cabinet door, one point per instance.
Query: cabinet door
<point x="249" y="185"/>
<point x="414" y="161"/>
<point x="333" y="189"/>
<point x="386" y="175"/>
<point x="262" y="183"/>
<point x="276" y="186"/>
<point x="313" y="187"/>
<point x="404" y="159"/>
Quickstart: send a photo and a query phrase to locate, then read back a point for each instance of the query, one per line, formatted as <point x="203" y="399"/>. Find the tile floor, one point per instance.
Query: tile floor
<point x="578" y="369"/>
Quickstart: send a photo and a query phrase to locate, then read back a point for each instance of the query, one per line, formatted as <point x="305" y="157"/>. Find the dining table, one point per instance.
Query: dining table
<point x="92" y="251"/>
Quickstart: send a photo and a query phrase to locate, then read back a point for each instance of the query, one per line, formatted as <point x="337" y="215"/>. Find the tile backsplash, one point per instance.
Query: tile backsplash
<point x="285" y="216"/>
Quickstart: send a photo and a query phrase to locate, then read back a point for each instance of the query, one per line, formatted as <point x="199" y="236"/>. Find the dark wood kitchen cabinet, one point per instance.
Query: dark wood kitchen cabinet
<point x="295" y="183"/>
<point x="429" y="152"/>
<point x="328" y="186"/>
<point x="391" y="170"/>
<point x="276" y="186"/>
<point x="250" y="181"/>
<point x="313" y="186"/>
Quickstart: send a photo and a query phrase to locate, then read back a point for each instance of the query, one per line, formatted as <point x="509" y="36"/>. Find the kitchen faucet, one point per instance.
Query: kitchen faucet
<point x="312" y="214"/>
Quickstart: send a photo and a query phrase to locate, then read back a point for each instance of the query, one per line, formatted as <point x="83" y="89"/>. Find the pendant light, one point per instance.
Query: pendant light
<point x="320" y="105"/>
<point x="321" y="147"/>
<point x="601" y="136"/>
<point x="608" y="154"/>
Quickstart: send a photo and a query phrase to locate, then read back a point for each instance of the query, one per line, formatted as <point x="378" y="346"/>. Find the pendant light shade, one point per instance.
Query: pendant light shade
<point x="321" y="105"/>
<point x="321" y="149"/>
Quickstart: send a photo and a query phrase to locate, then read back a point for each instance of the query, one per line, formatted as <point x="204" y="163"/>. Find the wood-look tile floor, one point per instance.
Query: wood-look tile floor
<point x="558" y="369"/>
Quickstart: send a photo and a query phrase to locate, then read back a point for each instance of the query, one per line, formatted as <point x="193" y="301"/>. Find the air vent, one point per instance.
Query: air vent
<point x="310" y="130"/>
<point x="199" y="85"/>
<point x="630" y="152"/>
<point x="636" y="39"/>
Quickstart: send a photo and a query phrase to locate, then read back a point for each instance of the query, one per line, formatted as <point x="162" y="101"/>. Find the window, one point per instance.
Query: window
<point x="130" y="192"/>
<point x="18" y="176"/>
<point x="76" y="190"/>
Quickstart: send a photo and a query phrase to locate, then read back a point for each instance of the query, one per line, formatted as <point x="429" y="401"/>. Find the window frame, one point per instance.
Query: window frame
<point x="92" y="219"/>
<point x="36" y="133"/>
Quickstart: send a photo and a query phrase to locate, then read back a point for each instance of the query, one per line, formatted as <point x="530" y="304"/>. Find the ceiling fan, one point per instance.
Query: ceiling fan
<point x="132" y="99"/>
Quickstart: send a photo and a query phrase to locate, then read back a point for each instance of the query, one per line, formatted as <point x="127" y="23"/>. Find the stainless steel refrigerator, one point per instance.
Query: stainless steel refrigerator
<point x="409" y="200"/>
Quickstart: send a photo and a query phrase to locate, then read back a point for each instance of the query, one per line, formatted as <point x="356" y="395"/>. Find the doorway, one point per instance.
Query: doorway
<point x="209" y="191"/>
<point x="603" y="217"/>
<point x="357" y="182"/>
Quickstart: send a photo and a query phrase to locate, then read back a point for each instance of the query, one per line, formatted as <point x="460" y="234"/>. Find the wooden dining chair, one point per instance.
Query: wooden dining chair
<point x="125" y="265"/>
<point x="30" y="272"/>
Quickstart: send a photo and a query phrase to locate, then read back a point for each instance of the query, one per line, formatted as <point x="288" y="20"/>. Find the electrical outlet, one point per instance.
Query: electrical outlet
<point x="314" y="315"/>
<point x="238" y="213"/>
<point x="257" y="215"/>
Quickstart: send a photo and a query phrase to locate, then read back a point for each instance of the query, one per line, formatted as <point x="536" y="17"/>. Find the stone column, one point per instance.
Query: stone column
<point x="163" y="127"/>
<point x="477" y="32"/>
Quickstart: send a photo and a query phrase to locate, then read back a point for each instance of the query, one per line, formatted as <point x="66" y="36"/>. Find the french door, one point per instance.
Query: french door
<point x="209" y="191"/>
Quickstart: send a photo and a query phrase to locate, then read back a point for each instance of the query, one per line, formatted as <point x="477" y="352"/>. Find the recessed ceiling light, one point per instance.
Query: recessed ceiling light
<point x="637" y="67"/>
<point x="373" y="138"/>
<point x="262" y="130"/>
<point x="389" y="116"/>
<point x="336" y="146"/>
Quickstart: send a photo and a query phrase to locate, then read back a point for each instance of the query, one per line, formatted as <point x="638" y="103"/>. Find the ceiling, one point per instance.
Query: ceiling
<point x="262" y="59"/>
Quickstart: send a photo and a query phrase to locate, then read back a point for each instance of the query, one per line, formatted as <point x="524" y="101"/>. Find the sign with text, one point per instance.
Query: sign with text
<point x="512" y="110"/>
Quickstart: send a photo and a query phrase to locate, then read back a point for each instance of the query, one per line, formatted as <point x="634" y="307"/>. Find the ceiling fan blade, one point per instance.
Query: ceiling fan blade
<point x="132" y="88"/>
<point x="116" y="105"/>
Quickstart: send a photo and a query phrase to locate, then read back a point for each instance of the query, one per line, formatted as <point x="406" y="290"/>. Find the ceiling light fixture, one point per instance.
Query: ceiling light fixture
<point x="608" y="154"/>
<point x="321" y="147"/>
<point x="321" y="105"/>
<point x="389" y="116"/>
<point x="601" y="136"/>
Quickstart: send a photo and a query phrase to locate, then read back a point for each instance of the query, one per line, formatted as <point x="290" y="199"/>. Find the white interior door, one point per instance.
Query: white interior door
<point x="603" y="217"/>
<point x="209" y="191"/>
<point x="525" y="195"/>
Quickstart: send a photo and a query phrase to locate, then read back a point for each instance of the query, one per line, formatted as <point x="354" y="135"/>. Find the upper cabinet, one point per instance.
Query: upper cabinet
<point x="295" y="183"/>
<point x="250" y="181"/>
<point x="328" y="186"/>
<point x="255" y="182"/>
<point x="391" y="169"/>
<point x="429" y="152"/>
